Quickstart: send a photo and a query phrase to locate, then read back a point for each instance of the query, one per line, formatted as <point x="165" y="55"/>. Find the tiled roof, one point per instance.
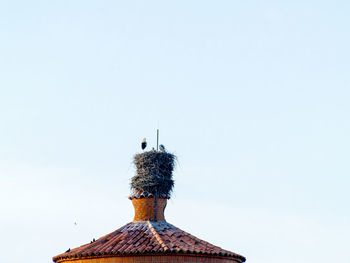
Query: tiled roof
<point x="147" y="237"/>
<point x="142" y="194"/>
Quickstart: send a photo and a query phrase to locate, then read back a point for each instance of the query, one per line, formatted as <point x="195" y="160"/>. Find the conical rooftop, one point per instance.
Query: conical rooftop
<point x="148" y="238"/>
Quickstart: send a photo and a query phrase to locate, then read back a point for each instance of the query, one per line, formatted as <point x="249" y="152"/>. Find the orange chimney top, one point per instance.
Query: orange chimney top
<point x="149" y="209"/>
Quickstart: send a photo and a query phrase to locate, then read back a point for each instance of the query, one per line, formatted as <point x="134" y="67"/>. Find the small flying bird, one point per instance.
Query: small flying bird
<point x="161" y="148"/>
<point x="143" y="144"/>
<point x="75" y="223"/>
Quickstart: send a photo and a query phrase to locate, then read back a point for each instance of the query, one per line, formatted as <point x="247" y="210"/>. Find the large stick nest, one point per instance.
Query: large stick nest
<point x="154" y="172"/>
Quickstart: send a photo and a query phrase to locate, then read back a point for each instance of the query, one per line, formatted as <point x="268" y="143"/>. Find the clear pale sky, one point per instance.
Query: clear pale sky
<point x="252" y="96"/>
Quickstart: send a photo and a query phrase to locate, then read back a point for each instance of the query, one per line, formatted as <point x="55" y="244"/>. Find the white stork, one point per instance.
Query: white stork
<point x="161" y="148"/>
<point x="143" y="144"/>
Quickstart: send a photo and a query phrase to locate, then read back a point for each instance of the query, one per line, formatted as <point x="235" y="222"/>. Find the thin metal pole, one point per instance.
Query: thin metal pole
<point x="156" y="195"/>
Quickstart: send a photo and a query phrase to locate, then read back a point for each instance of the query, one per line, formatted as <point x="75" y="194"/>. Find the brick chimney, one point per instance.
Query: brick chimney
<point x="149" y="208"/>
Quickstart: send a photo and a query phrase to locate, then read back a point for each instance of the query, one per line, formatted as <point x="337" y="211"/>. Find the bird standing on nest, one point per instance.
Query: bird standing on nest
<point x="161" y="148"/>
<point x="143" y="144"/>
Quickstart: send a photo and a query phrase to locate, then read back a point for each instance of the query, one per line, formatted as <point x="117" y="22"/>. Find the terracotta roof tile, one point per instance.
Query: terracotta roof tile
<point x="148" y="237"/>
<point x="142" y="194"/>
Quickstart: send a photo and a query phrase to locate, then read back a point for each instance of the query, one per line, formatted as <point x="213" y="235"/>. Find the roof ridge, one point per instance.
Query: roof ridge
<point x="157" y="236"/>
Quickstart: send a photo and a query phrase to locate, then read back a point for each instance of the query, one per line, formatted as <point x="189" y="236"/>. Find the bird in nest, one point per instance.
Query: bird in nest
<point x="143" y="144"/>
<point x="161" y="148"/>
